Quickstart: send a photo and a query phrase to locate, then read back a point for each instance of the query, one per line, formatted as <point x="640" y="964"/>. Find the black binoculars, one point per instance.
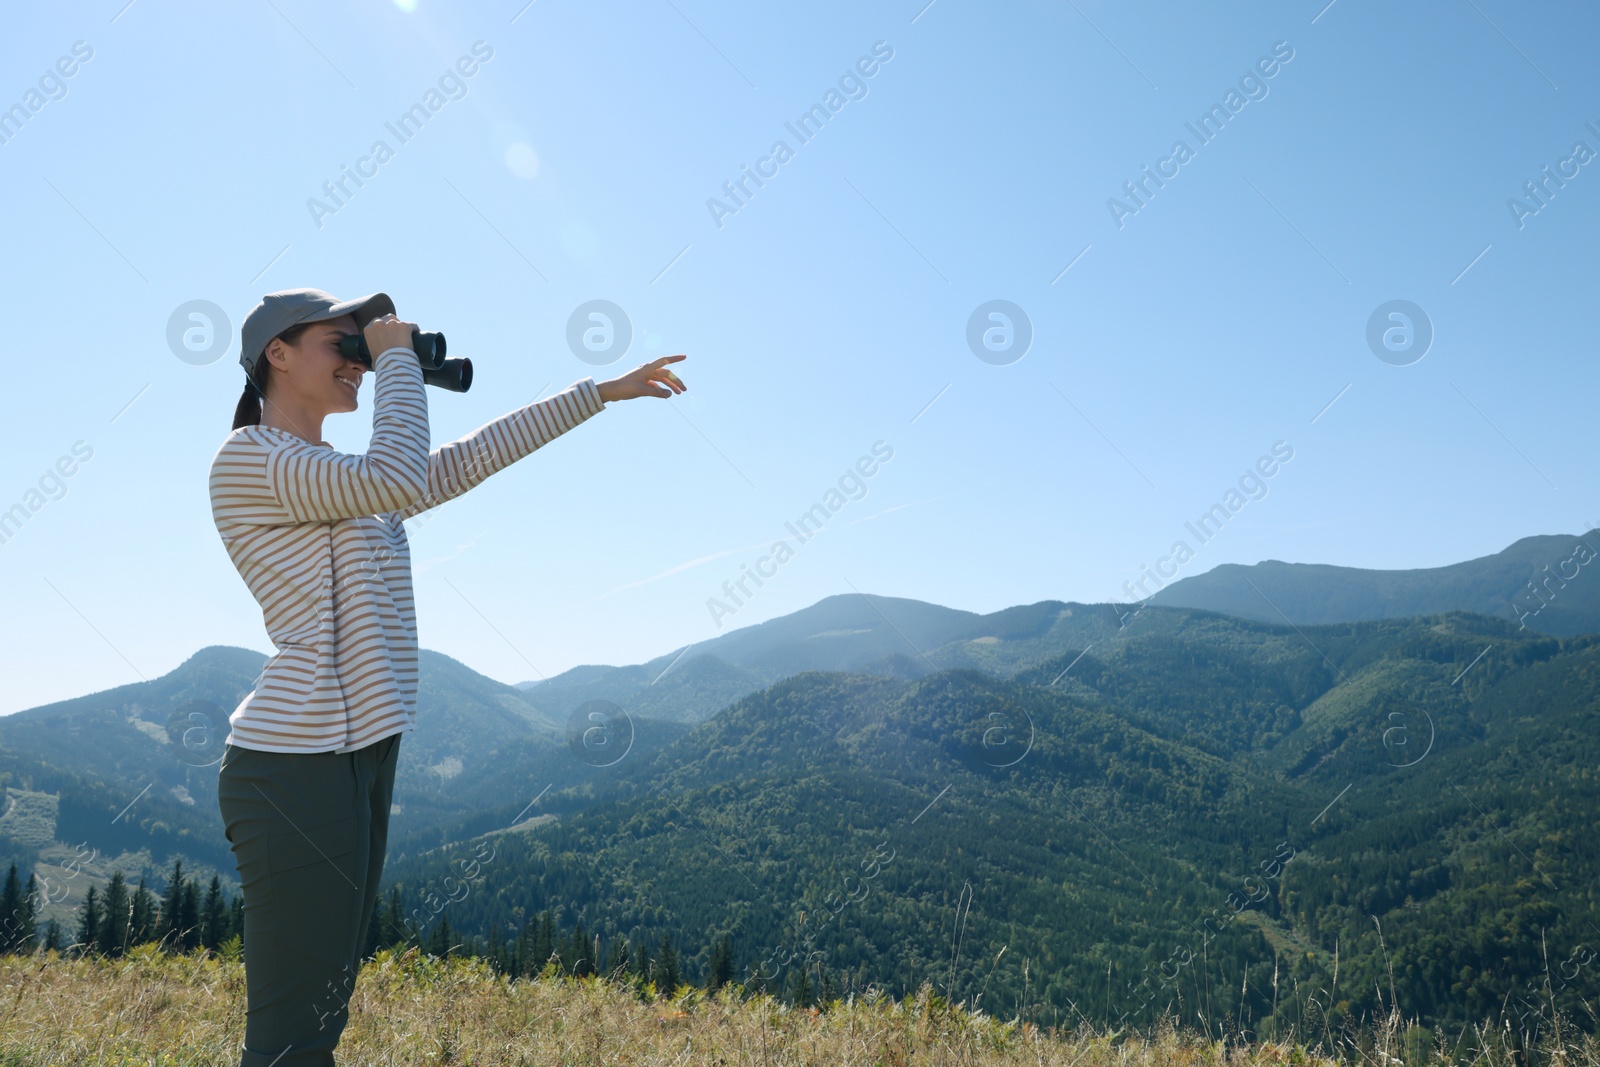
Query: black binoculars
<point x="452" y="374"/>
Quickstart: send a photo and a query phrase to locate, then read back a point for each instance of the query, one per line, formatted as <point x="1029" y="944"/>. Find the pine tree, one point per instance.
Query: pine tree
<point x="189" y="915"/>
<point x="114" y="920"/>
<point x="562" y="951"/>
<point x="27" y="922"/>
<point x="617" y="958"/>
<point x="641" y="962"/>
<point x="11" y="912"/>
<point x="439" y="944"/>
<point x="142" y="918"/>
<point x="52" y="936"/>
<point x="666" y="974"/>
<point x="802" y="987"/>
<point x="214" y="916"/>
<point x="577" y="954"/>
<point x="497" y="955"/>
<point x="236" y="920"/>
<point x="544" y="945"/>
<point x="169" y="929"/>
<point x="395" y="931"/>
<point x="522" y="951"/>
<point x="721" y="962"/>
<point x="89" y="924"/>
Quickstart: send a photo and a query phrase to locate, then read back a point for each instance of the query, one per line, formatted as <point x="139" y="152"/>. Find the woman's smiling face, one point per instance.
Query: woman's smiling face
<point x="314" y="369"/>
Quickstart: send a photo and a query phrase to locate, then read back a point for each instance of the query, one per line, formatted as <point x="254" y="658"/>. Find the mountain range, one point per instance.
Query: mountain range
<point x="1103" y="809"/>
<point x="1541" y="583"/>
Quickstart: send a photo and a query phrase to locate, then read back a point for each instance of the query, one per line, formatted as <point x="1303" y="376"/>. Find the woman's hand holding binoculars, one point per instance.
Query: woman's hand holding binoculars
<point x="388" y="332"/>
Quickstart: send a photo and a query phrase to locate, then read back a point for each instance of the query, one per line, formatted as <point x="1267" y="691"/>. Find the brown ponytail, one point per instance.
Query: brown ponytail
<point x="248" y="411"/>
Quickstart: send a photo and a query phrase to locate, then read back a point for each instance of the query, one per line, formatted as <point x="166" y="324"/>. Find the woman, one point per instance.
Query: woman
<point x="308" y="769"/>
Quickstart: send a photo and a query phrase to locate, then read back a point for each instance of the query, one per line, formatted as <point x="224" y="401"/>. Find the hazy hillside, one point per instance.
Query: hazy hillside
<point x="879" y="635"/>
<point x="908" y="638"/>
<point x="1545" y="583"/>
<point x="135" y="766"/>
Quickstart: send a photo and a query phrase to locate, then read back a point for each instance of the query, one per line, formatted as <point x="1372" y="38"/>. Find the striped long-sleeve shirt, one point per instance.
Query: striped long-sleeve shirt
<point x="317" y="536"/>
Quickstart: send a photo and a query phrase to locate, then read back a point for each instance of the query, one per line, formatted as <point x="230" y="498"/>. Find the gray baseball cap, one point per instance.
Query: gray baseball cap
<point x="289" y="307"/>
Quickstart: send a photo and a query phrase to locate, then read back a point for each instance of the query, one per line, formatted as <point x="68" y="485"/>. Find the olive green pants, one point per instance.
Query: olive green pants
<point x="309" y="832"/>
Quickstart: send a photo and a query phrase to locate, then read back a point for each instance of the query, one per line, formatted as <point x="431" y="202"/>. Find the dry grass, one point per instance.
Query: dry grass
<point x="411" y="1009"/>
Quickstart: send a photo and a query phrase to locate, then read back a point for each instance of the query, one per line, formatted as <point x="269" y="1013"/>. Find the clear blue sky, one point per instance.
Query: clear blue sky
<point x="828" y="312"/>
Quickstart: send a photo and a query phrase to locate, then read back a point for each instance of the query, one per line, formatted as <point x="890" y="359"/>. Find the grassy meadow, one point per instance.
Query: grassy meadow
<point x="148" y="1008"/>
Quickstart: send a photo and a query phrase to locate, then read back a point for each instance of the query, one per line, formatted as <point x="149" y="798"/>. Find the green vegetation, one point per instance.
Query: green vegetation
<point x="29" y="818"/>
<point x="409" y="1009"/>
<point x="1256" y="829"/>
<point x="118" y="919"/>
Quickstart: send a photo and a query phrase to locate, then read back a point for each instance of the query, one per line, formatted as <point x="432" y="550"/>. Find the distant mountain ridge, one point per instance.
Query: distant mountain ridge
<point x="861" y="633"/>
<point x="1541" y="583"/>
<point x="1545" y="583"/>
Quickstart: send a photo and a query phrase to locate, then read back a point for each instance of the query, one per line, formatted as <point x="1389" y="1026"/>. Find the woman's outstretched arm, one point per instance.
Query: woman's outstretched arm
<point x="464" y="463"/>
